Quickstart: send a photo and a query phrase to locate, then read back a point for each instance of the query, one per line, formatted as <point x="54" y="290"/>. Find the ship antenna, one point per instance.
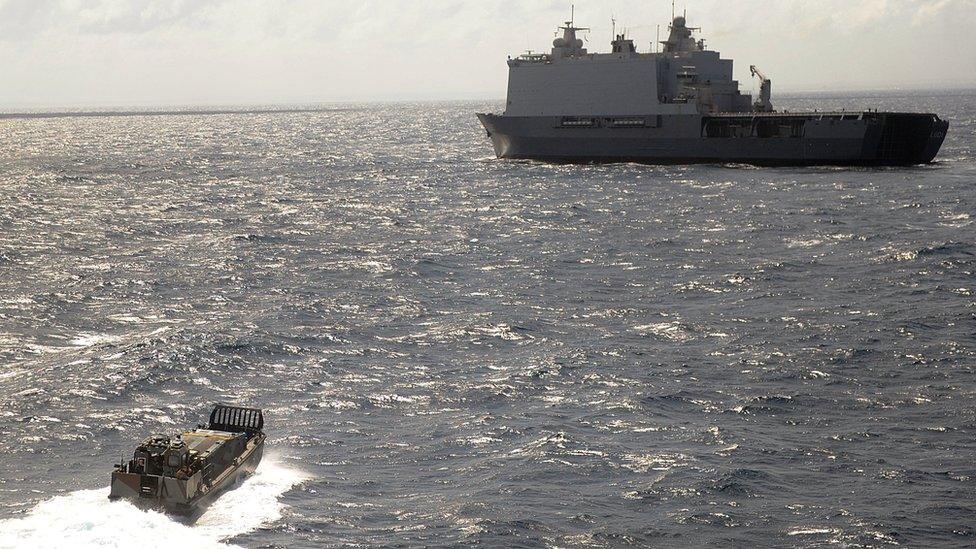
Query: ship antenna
<point x="672" y="10"/>
<point x="572" y="15"/>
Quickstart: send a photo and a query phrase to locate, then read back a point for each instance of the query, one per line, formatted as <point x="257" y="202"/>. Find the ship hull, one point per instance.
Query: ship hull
<point x="173" y="496"/>
<point x="802" y="139"/>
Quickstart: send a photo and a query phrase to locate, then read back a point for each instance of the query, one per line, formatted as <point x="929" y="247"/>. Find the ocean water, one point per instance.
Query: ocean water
<point x="454" y="350"/>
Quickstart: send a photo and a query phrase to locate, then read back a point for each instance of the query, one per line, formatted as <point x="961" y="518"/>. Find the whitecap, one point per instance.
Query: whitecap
<point x="90" y="340"/>
<point x="478" y="440"/>
<point x="673" y="331"/>
<point x="807" y="531"/>
<point x="803" y="243"/>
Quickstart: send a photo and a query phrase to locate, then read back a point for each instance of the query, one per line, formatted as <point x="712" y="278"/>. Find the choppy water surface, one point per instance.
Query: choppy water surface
<point x="456" y="350"/>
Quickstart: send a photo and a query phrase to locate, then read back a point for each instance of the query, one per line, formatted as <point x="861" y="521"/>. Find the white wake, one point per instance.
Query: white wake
<point x="87" y="519"/>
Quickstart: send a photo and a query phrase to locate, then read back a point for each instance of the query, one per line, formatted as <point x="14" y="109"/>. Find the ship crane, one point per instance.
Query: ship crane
<point x="764" y="104"/>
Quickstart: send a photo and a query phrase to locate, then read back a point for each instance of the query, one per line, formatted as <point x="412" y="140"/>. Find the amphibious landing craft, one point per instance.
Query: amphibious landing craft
<point x="184" y="474"/>
<point x="681" y="105"/>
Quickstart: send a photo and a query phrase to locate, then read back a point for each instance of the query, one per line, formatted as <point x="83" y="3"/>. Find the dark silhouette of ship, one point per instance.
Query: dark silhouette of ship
<point x="681" y="105"/>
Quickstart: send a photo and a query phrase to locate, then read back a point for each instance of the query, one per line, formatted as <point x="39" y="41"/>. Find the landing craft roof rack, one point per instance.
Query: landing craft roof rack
<point x="233" y="419"/>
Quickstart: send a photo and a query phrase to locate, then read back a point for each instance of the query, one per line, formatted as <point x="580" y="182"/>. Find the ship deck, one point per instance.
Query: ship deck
<point x="206" y="442"/>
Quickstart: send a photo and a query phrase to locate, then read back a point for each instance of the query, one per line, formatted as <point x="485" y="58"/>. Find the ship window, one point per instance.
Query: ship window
<point x="574" y="122"/>
<point x="628" y="123"/>
<point x="728" y="128"/>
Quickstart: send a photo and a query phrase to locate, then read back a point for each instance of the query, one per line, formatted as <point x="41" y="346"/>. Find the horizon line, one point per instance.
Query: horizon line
<point x="14" y="110"/>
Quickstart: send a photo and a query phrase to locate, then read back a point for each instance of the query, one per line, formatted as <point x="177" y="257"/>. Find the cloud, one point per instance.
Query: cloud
<point x="172" y="51"/>
<point x="929" y="10"/>
<point x="865" y="12"/>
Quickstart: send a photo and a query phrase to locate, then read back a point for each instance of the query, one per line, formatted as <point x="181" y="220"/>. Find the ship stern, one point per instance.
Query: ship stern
<point x="940" y="129"/>
<point x="154" y="492"/>
<point x="125" y="486"/>
<point x="905" y="139"/>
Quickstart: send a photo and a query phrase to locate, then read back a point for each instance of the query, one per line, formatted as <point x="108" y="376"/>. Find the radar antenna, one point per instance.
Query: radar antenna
<point x="569" y="45"/>
<point x="571" y="24"/>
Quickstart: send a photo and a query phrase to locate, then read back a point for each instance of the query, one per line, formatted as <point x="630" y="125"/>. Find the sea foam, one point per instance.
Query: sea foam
<point x="86" y="518"/>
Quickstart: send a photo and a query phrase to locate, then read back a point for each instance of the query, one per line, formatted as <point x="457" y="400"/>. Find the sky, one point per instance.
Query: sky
<point x="231" y="52"/>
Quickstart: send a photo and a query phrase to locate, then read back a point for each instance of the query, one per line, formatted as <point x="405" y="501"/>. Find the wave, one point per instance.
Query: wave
<point x="86" y="518"/>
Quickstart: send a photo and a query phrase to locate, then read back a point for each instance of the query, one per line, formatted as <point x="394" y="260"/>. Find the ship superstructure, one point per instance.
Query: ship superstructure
<point x="684" y="78"/>
<point x="681" y="104"/>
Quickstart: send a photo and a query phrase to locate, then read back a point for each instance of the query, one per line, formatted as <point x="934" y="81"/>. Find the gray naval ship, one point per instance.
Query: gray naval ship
<point x="681" y="105"/>
<point x="185" y="473"/>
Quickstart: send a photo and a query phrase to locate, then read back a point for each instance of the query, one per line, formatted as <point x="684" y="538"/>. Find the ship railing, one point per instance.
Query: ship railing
<point x="534" y="57"/>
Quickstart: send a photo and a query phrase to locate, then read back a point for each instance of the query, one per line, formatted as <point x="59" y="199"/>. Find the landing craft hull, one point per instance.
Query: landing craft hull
<point x="801" y="139"/>
<point x="171" y="496"/>
<point x="248" y="466"/>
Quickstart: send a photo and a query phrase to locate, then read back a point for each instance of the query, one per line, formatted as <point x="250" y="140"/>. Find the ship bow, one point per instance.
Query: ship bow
<point x="499" y="140"/>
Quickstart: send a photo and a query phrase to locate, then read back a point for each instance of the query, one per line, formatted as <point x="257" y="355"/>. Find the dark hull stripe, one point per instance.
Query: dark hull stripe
<point x="852" y="139"/>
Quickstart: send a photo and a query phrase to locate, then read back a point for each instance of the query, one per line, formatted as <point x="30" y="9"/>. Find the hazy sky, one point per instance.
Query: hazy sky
<point x="125" y="52"/>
